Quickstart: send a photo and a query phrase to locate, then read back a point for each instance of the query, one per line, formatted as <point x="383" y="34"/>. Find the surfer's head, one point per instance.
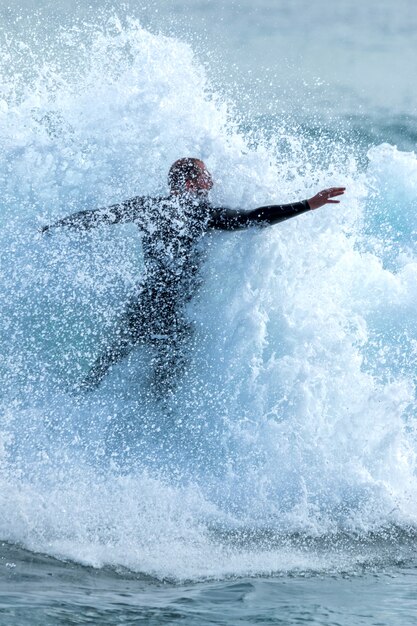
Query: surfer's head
<point x="189" y="175"/>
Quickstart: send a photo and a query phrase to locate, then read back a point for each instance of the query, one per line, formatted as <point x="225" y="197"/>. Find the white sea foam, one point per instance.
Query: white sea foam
<point x="297" y="411"/>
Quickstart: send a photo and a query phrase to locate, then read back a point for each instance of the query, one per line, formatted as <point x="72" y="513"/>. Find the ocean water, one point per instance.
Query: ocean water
<point x="277" y="485"/>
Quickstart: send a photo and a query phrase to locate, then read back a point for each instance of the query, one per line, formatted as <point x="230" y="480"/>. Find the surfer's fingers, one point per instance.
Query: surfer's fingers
<point x="336" y="191"/>
<point x="331" y="193"/>
<point x="333" y="201"/>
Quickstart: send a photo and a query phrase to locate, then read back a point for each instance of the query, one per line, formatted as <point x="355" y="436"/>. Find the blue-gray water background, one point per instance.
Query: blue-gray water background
<point x="279" y="484"/>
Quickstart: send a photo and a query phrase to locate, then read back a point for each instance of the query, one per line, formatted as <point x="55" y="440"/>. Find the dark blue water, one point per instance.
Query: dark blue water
<point x="39" y="590"/>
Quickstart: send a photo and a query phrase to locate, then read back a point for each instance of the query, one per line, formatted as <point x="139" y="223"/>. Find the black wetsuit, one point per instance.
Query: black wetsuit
<point x="172" y="228"/>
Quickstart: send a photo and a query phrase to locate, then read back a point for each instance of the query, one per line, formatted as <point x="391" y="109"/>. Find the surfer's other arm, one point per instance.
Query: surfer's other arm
<point x="123" y="212"/>
<point x="232" y="219"/>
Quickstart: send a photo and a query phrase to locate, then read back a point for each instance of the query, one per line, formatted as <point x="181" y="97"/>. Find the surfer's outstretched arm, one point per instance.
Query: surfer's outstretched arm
<point x="128" y="211"/>
<point x="233" y="219"/>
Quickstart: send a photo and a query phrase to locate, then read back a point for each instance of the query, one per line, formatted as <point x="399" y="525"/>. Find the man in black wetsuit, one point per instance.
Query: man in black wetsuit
<point x="172" y="228"/>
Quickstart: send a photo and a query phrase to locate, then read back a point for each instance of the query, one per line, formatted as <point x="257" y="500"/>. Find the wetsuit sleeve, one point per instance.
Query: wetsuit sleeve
<point x="129" y="211"/>
<point x="233" y="219"/>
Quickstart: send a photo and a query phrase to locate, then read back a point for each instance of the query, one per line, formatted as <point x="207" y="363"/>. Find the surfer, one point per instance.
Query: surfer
<point x="173" y="228"/>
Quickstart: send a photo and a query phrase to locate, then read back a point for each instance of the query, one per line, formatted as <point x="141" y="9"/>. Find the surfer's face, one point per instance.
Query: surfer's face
<point x="202" y="183"/>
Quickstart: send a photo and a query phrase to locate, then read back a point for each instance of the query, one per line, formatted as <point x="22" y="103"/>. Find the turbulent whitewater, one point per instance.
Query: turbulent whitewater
<point x="296" y="416"/>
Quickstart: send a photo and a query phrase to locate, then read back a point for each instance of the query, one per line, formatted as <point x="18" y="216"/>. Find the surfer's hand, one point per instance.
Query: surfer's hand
<point x="324" y="197"/>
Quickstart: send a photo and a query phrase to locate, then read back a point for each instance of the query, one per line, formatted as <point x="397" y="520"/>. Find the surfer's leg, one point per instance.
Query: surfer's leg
<point x="113" y="353"/>
<point x="128" y="334"/>
<point x="170" y="358"/>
